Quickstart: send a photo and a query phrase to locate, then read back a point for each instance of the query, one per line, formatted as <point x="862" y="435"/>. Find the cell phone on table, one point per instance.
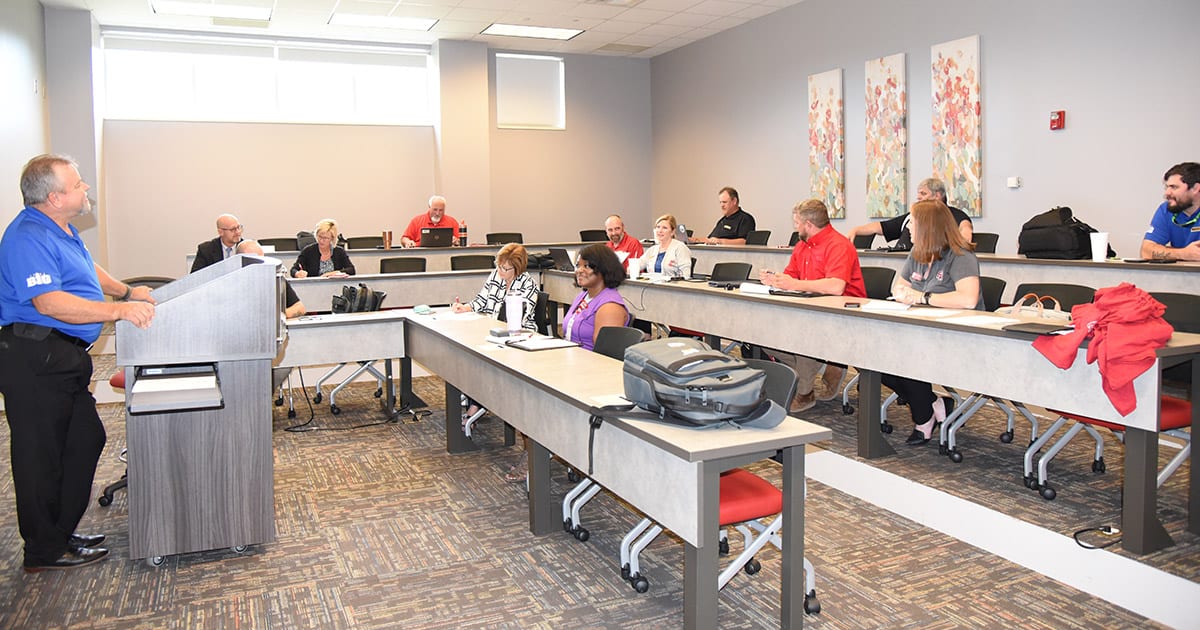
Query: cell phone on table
<point x="851" y="305"/>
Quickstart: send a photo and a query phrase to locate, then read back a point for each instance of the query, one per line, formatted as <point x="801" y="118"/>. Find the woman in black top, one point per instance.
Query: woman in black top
<point x="323" y="258"/>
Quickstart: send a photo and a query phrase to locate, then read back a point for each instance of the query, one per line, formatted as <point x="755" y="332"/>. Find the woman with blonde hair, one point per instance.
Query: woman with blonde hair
<point x="669" y="255"/>
<point x="325" y="257"/>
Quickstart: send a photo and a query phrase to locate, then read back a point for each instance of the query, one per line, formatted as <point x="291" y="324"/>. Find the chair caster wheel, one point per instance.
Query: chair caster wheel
<point x="625" y="571"/>
<point x="239" y="549"/>
<point x="847" y="409"/>
<point x="567" y="525"/>
<point x="1006" y="437"/>
<point x="317" y="398"/>
<point x="379" y="393"/>
<point x="105" y="500"/>
<point x="723" y="547"/>
<point x="291" y="414"/>
<point x="335" y="410"/>
<point x="155" y="561"/>
<point x="955" y="456"/>
<point x="1029" y="481"/>
<point x="886" y="427"/>
<point x="279" y="401"/>
<point x="1098" y="466"/>
<point x="1048" y="493"/>
<point x="582" y="534"/>
<point x="812" y="605"/>
<point x="641" y="584"/>
<point x="943" y="449"/>
<point x="752" y="566"/>
<point x="573" y="476"/>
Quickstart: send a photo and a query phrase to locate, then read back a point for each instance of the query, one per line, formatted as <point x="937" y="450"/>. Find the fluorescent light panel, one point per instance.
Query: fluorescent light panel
<point x="539" y="32"/>
<point x="205" y="9"/>
<point x="382" y="21"/>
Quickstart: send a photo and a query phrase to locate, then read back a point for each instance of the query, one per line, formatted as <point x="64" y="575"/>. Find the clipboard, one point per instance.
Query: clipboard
<point x="1037" y="329"/>
<point x="537" y="343"/>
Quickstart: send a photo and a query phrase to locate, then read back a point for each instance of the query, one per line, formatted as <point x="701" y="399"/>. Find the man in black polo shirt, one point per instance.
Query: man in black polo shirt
<point x="734" y="225"/>
<point x="896" y="228"/>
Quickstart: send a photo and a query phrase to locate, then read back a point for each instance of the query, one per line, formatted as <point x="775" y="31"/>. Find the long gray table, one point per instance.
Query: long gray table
<point x="550" y="395"/>
<point x="1015" y="270"/>
<point x="970" y="357"/>
<point x="403" y="289"/>
<point x="366" y="261"/>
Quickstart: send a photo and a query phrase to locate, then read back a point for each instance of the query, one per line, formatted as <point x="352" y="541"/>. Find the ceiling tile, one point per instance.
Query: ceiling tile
<point x="617" y="26"/>
<point x="688" y="19"/>
<point x="638" y="39"/>
<point x="643" y="16"/>
<point x="459" y="27"/>
<point x="601" y="11"/>
<point x="755" y="11"/>
<point x="665" y="30"/>
<point x="668" y="5"/>
<point x="717" y="7"/>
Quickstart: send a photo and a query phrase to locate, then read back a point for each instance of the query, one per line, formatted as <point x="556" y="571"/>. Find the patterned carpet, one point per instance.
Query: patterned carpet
<point x="378" y="527"/>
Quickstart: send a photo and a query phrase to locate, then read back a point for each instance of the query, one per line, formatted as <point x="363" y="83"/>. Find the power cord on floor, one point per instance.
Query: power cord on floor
<point x="304" y="427"/>
<point x="1109" y="534"/>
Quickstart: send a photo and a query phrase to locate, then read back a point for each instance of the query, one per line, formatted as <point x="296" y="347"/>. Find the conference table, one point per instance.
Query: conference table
<point x="403" y="289"/>
<point x="956" y="350"/>
<point x="550" y="396"/>
<point x="366" y="261"/>
<point x="1181" y="277"/>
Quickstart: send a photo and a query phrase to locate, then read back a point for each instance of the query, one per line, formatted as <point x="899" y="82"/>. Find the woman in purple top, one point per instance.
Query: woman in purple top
<point x="598" y="272"/>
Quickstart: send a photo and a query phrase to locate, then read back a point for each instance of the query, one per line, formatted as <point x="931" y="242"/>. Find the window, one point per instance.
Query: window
<point x="173" y="77"/>
<point x="530" y="92"/>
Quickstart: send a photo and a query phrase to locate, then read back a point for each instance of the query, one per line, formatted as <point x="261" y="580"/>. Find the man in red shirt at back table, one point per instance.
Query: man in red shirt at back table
<point x="435" y="217"/>
<point x="619" y="240"/>
<point x="823" y="262"/>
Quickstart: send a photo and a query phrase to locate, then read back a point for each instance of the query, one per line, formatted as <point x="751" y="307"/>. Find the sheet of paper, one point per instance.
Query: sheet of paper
<point x="464" y="317"/>
<point x="611" y="400"/>
<point x="755" y="288"/>
<point x="174" y="383"/>
<point x="542" y="343"/>
<point x="884" y="305"/>
<point x="933" y="312"/>
<point x="985" y="320"/>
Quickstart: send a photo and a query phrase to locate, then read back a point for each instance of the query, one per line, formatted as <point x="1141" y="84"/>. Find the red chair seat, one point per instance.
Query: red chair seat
<point x="117" y="380"/>
<point x="745" y="496"/>
<point x="1176" y="413"/>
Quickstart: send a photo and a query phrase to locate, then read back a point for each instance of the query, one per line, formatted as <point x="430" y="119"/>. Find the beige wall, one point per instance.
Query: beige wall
<point x="551" y="184"/>
<point x="166" y="182"/>
<point x="23" y="127"/>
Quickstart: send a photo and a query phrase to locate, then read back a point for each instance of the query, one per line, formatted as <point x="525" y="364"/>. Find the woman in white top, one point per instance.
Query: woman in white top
<point x="669" y="256"/>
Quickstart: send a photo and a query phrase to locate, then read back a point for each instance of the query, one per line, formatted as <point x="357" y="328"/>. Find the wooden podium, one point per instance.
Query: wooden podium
<point x="198" y="415"/>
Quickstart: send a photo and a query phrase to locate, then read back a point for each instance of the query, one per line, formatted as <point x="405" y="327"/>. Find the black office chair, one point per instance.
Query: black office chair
<point x="794" y="239"/>
<point x="730" y="272"/>
<point x="364" y="242"/>
<point x="504" y="238"/>
<point x="471" y="261"/>
<point x="992" y="289"/>
<point x="878" y="283"/>
<point x="758" y="237"/>
<point x="590" y="236"/>
<point x="612" y="341"/>
<point x="285" y="244"/>
<point x="1183" y="313"/>
<point x="863" y="241"/>
<point x="402" y="264"/>
<point x="1068" y="295"/>
<point x="985" y="242"/>
<point x="689" y="233"/>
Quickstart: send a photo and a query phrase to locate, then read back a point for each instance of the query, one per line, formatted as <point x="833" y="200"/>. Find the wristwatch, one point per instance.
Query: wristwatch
<point x="926" y="298"/>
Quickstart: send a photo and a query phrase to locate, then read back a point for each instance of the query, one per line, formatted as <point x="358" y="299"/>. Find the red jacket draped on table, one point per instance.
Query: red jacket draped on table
<point x="1126" y="327"/>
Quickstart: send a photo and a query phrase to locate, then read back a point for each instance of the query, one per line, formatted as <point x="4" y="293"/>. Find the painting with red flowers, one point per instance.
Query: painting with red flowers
<point x="826" y="141"/>
<point x="957" y="152"/>
<point x="887" y="137"/>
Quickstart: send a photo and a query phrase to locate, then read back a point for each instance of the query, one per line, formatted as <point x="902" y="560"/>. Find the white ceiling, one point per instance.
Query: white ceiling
<point x="634" y="28"/>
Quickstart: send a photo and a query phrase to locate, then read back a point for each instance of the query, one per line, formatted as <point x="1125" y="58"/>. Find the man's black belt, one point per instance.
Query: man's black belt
<point x="40" y="333"/>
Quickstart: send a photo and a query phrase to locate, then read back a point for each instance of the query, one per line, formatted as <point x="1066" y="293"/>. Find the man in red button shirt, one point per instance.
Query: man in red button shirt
<point x="619" y="240"/>
<point x="824" y="262"/>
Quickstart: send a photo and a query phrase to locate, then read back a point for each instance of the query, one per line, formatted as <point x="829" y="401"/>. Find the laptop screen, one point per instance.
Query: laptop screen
<point x="562" y="260"/>
<point x="437" y="237"/>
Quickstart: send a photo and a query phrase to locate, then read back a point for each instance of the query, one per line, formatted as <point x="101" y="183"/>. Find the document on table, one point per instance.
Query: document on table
<point x="985" y="320"/>
<point x="541" y="343"/>
<point x="884" y="305"/>
<point x="933" y="312"/>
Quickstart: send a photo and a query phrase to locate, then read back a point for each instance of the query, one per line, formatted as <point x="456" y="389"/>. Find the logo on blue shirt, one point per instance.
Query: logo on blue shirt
<point x="38" y="278"/>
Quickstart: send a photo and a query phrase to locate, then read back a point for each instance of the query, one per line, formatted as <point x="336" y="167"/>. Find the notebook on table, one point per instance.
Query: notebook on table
<point x="437" y="237"/>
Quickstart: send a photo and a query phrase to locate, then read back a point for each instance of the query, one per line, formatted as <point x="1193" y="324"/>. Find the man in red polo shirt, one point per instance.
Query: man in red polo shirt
<point x="823" y="262"/>
<point x="435" y="217"/>
<point x="619" y="240"/>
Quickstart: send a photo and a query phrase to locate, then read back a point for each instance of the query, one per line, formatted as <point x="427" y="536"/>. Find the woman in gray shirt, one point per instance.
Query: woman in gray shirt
<point x="941" y="271"/>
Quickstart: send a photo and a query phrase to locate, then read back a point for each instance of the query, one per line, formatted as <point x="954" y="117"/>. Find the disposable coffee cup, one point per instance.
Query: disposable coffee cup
<point x="514" y="311"/>
<point x="635" y="266"/>
<point x="1099" y="246"/>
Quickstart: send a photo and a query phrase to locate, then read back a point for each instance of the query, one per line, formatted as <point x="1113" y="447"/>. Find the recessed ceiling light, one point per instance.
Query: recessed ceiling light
<point x="540" y="32"/>
<point x="382" y="21"/>
<point x="213" y="10"/>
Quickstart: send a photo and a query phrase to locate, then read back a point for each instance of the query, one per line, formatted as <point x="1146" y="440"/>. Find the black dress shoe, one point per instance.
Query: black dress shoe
<point x="70" y="559"/>
<point x="84" y="540"/>
<point x="917" y="438"/>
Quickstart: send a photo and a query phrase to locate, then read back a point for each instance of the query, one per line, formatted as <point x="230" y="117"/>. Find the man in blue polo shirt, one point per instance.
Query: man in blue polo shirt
<point x="1175" y="229"/>
<point x="51" y="310"/>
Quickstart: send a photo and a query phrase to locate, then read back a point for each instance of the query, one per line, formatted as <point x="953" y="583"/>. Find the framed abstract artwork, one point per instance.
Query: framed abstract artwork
<point x="826" y="141"/>
<point x="957" y="151"/>
<point x="887" y="137"/>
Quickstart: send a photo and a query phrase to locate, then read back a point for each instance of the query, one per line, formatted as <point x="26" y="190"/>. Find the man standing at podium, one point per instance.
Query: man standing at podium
<point x="51" y="311"/>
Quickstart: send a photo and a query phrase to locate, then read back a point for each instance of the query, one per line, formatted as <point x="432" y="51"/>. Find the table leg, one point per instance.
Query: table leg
<point x="700" y="571"/>
<point x="871" y="443"/>
<point x="542" y="517"/>
<point x="1194" y="470"/>
<point x="1139" y="512"/>
<point x="456" y="440"/>
<point x="792" y="588"/>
